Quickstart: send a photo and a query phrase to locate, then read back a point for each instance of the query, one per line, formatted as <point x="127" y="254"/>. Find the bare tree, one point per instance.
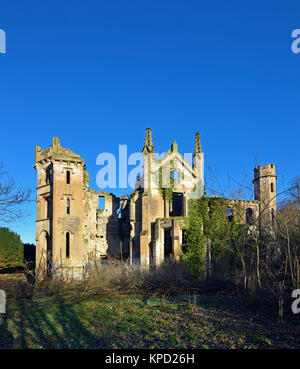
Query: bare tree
<point x="11" y="197"/>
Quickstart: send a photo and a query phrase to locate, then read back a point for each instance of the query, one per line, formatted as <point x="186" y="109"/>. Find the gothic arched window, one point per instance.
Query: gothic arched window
<point x="249" y="216"/>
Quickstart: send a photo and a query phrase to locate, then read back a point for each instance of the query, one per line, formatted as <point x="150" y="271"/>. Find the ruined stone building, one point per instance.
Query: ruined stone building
<point x="70" y="227"/>
<point x="145" y="227"/>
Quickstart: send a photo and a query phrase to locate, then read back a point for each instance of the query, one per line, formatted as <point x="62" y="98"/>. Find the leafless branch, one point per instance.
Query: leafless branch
<point x="11" y="197"/>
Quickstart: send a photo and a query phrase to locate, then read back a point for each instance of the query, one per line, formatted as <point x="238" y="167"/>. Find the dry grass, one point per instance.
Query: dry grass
<point x="16" y="286"/>
<point x="114" y="277"/>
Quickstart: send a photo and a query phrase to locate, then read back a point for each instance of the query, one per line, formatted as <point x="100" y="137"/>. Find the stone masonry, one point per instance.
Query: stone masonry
<point x="145" y="227"/>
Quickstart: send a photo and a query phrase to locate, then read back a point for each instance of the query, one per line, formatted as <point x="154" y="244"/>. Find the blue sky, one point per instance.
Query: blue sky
<point x="97" y="73"/>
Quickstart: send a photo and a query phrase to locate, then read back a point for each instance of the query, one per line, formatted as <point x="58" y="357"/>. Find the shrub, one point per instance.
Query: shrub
<point x="11" y="249"/>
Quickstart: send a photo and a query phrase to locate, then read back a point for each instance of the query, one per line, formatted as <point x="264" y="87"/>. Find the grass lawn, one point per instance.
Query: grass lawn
<point x="138" y="322"/>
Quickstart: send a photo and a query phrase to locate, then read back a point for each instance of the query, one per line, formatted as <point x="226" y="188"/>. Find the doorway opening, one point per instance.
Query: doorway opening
<point x="167" y="243"/>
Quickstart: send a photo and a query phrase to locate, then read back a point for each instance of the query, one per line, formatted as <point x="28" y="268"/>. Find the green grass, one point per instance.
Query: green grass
<point x="138" y="322"/>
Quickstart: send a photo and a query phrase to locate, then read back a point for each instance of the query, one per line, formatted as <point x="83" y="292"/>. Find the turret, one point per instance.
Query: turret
<point x="265" y="192"/>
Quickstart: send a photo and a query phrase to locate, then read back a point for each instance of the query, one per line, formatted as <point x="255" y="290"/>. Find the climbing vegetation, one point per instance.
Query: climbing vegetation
<point x="165" y="181"/>
<point x="207" y="225"/>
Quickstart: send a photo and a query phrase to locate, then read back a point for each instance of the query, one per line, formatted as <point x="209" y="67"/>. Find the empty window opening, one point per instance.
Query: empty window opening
<point x="67" y="245"/>
<point x="101" y="204"/>
<point x="68" y="206"/>
<point x="272" y="187"/>
<point x="176" y="207"/>
<point x="229" y="213"/>
<point x="48" y="175"/>
<point x="249" y="216"/>
<point x="68" y="177"/>
<point x="175" y="174"/>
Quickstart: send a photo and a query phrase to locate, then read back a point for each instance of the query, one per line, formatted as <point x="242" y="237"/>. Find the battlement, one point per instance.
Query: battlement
<point x="56" y="152"/>
<point x="268" y="171"/>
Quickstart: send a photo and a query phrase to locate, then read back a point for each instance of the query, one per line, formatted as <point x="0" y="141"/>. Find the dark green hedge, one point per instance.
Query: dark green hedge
<point x="11" y="249"/>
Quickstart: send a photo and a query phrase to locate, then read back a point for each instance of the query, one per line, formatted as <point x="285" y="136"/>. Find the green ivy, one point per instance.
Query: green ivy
<point x="166" y="192"/>
<point x="210" y="212"/>
<point x="194" y="257"/>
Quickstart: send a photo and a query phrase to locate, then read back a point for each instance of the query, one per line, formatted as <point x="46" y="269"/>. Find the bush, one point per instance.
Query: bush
<point x="11" y="249"/>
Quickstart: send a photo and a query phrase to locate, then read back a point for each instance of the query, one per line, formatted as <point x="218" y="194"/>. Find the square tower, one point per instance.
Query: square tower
<point x="59" y="208"/>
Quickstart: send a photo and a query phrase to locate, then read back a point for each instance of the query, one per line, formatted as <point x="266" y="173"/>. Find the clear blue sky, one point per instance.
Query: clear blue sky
<point x="97" y="73"/>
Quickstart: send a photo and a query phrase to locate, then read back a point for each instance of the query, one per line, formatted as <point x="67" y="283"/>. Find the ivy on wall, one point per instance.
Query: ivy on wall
<point x="208" y="221"/>
<point x="166" y="191"/>
<point x="194" y="256"/>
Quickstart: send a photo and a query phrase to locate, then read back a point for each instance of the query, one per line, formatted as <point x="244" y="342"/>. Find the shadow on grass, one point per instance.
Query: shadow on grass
<point x="6" y="338"/>
<point x="57" y="322"/>
<point x="34" y="325"/>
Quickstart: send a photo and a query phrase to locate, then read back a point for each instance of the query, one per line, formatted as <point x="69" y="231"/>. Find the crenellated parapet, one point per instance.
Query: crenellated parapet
<point x="57" y="153"/>
<point x="268" y="170"/>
